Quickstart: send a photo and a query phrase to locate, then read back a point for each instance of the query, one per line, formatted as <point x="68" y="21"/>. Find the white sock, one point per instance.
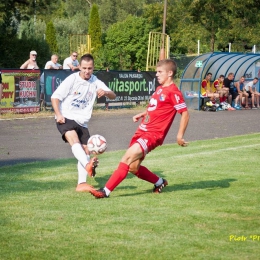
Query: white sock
<point x="159" y="182"/>
<point x="82" y="173"/>
<point x="107" y="191"/>
<point x="80" y="154"/>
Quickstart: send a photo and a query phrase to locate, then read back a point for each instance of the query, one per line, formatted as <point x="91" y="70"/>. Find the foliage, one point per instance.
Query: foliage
<point x="51" y="37"/>
<point x="74" y="8"/>
<point x="66" y="27"/>
<point x="13" y="57"/>
<point x="214" y="23"/>
<point x="32" y="29"/>
<point x="195" y="217"/>
<point x="11" y="18"/>
<point x="94" y="29"/>
<point x="113" y="11"/>
<point x="126" y="44"/>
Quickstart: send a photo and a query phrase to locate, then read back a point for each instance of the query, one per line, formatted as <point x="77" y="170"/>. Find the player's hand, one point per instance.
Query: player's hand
<point x="101" y="93"/>
<point x="182" y="142"/>
<point x="137" y="117"/>
<point x="60" y="119"/>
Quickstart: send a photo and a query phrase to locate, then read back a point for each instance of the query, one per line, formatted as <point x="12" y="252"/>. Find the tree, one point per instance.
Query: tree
<point x="94" y="29"/>
<point x="11" y="19"/>
<point x="51" y="37"/>
<point x="126" y="44"/>
<point x="210" y="14"/>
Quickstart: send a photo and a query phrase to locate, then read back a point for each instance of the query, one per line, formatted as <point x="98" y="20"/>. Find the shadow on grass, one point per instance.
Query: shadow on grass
<point x="209" y="185"/>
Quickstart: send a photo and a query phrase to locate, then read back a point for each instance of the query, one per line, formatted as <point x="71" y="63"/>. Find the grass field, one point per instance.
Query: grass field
<point x="210" y="210"/>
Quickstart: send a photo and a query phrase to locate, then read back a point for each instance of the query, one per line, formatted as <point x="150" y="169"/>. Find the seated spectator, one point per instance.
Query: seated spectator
<point x="206" y="89"/>
<point x="31" y="63"/>
<point x="71" y="62"/>
<point x="239" y="85"/>
<point x="53" y="63"/>
<point x="252" y="93"/>
<point x="229" y="84"/>
<point x="217" y="87"/>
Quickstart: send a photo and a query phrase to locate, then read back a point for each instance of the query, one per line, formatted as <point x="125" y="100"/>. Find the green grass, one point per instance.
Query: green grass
<point x="213" y="194"/>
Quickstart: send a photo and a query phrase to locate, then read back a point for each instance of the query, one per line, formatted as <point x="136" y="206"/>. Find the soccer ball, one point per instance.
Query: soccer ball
<point x="97" y="144"/>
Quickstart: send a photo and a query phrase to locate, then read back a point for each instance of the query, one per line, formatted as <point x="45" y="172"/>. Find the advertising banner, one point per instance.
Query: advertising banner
<point x="129" y="86"/>
<point x="21" y="90"/>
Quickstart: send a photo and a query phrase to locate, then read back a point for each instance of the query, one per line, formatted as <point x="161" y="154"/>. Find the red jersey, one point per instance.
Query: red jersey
<point x="163" y="106"/>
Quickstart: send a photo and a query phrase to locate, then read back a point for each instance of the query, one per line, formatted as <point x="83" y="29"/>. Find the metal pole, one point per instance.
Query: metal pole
<point x="162" y="51"/>
<point x="164" y="16"/>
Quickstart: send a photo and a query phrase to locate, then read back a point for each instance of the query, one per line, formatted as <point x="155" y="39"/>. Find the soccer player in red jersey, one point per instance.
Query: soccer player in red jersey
<point x="166" y="101"/>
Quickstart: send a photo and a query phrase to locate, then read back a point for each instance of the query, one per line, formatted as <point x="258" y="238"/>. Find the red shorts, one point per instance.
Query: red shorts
<point x="147" y="141"/>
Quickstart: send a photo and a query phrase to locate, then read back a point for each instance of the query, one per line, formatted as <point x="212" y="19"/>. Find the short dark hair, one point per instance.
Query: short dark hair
<point x="256" y="78"/>
<point x="221" y="76"/>
<point x="87" y="57"/>
<point x="209" y="73"/>
<point x="171" y="65"/>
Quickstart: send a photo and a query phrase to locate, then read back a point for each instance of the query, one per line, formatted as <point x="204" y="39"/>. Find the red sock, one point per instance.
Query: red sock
<point x="220" y="99"/>
<point x="144" y="174"/>
<point x="118" y="176"/>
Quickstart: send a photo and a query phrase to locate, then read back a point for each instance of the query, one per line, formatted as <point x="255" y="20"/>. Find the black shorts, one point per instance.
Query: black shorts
<point x="69" y="125"/>
<point x="249" y="94"/>
<point x="234" y="94"/>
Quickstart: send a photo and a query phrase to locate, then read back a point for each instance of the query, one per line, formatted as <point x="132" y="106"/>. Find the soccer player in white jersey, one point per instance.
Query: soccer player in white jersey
<point x="166" y="101"/>
<point x="73" y="103"/>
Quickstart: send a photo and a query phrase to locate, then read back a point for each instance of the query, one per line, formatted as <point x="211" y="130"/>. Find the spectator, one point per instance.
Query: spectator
<point x="229" y="84"/>
<point x="71" y="62"/>
<point x="239" y="85"/>
<point x="31" y="62"/>
<point x="217" y="87"/>
<point x="206" y="89"/>
<point x="252" y="93"/>
<point x="53" y="63"/>
<point x="235" y="94"/>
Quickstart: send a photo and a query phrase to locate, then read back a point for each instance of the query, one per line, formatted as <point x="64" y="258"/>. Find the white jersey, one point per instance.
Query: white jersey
<point x="77" y="97"/>
<point x="69" y="60"/>
<point x="248" y="85"/>
<point x="50" y="63"/>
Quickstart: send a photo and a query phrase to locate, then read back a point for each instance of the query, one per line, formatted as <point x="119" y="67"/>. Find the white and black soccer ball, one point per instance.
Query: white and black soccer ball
<point x="97" y="144"/>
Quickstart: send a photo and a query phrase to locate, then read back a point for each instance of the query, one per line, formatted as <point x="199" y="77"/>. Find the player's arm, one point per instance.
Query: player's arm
<point x="183" y="125"/>
<point x="138" y="116"/>
<point x="237" y="87"/>
<point x="56" y="107"/>
<point x="24" y="66"/>
<point x="107" y="93"/>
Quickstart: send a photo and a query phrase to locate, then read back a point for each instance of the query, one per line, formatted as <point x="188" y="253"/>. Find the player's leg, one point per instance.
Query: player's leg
<point x="253" y="100"/>
<point x="146" y="175"/>
<point x="82" y="180"/>
<point x="245" y="94"/>
<point x="240" y="98"/>
<point x="133" y="153"/>
<point x="235" y="97"/>
<point x="257" y="99"/>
